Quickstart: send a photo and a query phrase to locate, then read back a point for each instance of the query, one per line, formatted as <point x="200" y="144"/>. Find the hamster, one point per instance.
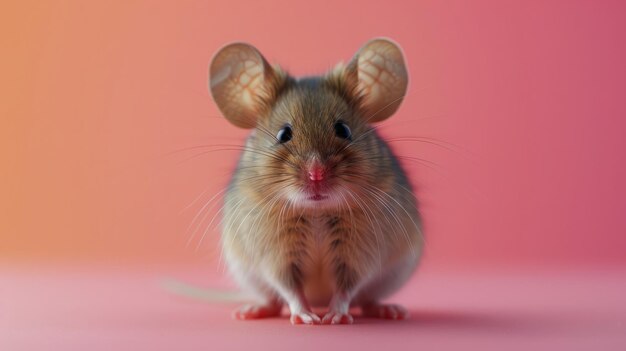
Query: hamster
<point x="319" y="212"/>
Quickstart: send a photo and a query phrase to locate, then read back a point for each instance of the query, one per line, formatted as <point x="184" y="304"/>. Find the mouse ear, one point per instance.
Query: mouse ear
<point x="241" y="82"/>
<point x="382" y="77"/>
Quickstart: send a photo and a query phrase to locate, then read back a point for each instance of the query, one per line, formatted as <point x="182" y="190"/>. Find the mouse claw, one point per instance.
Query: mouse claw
<point x="305" y="317"/>
<point x="337" y="318"/>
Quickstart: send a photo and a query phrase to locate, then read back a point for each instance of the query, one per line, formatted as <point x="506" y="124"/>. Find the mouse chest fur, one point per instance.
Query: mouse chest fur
<point x="317" y="263"/>
<point x="301" y="245"/>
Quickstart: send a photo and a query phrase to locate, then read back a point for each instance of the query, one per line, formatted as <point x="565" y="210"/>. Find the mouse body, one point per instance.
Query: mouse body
<point x="319" y="212"/>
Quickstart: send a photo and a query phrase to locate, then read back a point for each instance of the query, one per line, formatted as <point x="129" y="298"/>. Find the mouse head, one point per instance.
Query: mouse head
<point x="312" y="142"/>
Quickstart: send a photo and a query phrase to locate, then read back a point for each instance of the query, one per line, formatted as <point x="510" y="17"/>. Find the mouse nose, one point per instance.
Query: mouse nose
<point x="316" y="170"/>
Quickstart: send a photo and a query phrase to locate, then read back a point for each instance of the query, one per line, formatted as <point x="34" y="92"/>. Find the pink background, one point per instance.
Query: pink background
<point x="524" y="98"/>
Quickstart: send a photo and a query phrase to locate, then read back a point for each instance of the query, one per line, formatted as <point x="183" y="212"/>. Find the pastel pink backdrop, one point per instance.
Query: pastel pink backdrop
<point x="97" y="96"/>
<point x="523" y="102"/>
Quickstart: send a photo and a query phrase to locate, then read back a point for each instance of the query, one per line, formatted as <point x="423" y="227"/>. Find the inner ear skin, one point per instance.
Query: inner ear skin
<point x="243" y="84"/>
<point x="380" y="76"/>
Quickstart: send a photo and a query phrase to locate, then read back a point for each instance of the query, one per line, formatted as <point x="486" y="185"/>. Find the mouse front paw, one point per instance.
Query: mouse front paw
<point x="305" y="317"/>
<point x="337" y="318"/>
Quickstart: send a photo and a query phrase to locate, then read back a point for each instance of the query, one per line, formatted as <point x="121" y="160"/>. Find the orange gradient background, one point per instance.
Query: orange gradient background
<point x="97" y="96"/>
<point x="103" y="102"/>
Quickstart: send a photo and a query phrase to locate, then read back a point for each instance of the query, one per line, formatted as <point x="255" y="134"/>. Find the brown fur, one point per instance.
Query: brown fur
<point x="284" y="232"/>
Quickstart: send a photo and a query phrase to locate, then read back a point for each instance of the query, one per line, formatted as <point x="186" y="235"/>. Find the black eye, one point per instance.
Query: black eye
<point x="343" y="131"/>
<point x="285" y="134"/>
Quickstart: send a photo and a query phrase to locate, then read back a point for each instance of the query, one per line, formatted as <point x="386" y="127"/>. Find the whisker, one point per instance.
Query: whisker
<point x="365" y="212"/>
<point x="196" y="200"/>
<point x="432" y="141"/>
<point x="203" y="218"/>
<point x="417" y="227"/>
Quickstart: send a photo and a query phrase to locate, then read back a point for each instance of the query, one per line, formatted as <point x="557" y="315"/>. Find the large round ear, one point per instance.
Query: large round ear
<point x="240" y="81"/>
<point x="382" y="77"/>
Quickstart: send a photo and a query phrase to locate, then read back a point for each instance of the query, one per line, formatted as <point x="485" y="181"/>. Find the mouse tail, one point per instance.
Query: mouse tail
<point x="197" y="293"/>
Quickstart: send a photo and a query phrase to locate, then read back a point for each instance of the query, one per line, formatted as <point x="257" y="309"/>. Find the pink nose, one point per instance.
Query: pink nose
<point x="316" y="173"/>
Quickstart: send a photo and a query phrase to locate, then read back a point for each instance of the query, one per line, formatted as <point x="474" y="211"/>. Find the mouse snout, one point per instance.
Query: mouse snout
<point x="316" y="171"/>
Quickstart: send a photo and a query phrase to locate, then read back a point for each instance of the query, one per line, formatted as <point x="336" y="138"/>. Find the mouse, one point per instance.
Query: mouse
<point x="319" y="213"/>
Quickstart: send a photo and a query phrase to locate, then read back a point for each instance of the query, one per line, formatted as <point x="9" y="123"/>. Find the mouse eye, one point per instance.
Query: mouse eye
<point x="285" y="134"/>
<point x="343" y="131"/>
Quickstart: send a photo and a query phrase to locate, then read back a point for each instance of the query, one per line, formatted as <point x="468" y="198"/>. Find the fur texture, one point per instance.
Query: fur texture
<point x="355" y="247"/>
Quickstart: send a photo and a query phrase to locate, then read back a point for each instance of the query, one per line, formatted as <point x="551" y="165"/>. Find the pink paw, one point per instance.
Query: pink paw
<point x="385" y="311"/>
<point x="257" y="311"/>
<point x="305" y="317"/>
<point x="337" y="318"/>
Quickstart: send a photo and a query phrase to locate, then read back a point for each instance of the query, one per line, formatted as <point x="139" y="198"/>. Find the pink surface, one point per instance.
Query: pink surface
<point x="121" y="308"/>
